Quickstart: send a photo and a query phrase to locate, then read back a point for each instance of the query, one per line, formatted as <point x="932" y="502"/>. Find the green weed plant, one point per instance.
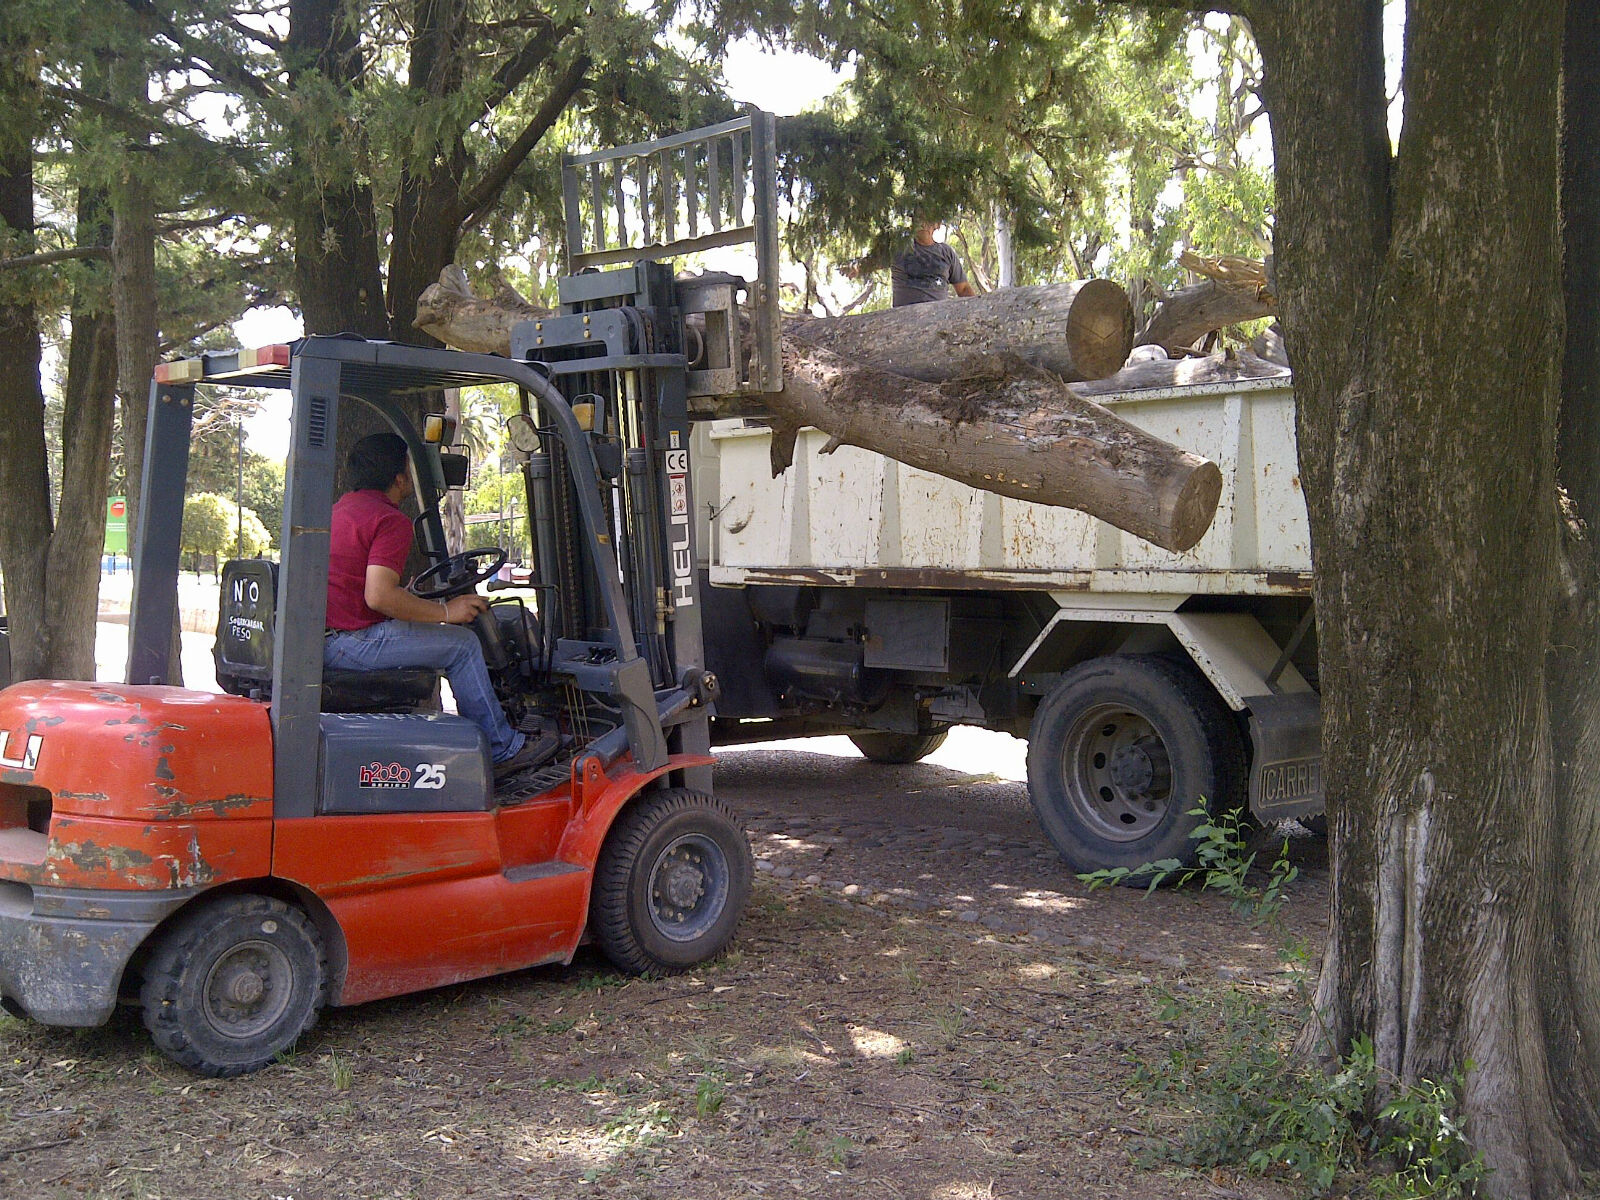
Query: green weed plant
<point x="1248" y="1103"/>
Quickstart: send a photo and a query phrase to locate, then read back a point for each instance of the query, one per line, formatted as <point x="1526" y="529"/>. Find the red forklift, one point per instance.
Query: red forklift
<point x="232" y="863"/>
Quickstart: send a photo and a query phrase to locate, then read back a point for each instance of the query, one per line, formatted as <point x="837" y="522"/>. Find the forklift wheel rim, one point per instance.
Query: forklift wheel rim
<point x="688" y="887"/>
<point x="248" y="989"/>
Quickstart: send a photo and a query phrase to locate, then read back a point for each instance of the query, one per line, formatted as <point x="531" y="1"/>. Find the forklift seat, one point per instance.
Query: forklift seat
<point x="377" y="691"/>
<point x="243" y="651"/>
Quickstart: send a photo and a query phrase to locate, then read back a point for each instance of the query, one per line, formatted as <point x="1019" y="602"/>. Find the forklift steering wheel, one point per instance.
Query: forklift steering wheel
<point x="458" y="574"/>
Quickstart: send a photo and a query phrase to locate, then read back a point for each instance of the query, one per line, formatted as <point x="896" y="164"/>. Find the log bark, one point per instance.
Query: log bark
<point x="971" y="389"/>
<point x="1222" y="367"/>
<point x="1005" y="427"/>
<point x="1079" y="331"/>
<point x="450" y="311"/>
<point x="1192" y="312"/>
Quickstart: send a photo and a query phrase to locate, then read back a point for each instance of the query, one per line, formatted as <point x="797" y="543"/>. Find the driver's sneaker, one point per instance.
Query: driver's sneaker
<point x="536" y="749"/>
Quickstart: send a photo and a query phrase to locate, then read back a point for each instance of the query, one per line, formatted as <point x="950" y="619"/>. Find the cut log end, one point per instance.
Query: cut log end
<point x="1099" y="329"/>
<point x="1194" y="506"/>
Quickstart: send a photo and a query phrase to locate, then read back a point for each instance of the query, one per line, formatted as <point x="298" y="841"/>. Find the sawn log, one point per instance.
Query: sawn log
<point x="1081" y="330"/>
<point x="971" y="389"/>
<point x="453" y="313"/>
<point x="1006" y="427"/>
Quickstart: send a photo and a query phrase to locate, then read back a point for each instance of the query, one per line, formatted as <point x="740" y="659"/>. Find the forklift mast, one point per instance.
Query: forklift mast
<point x="632" y="347"/>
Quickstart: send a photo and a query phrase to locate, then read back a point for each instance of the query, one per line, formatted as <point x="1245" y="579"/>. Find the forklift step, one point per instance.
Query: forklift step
<point x="527" y="784"/>
<point x="542" y="870"/>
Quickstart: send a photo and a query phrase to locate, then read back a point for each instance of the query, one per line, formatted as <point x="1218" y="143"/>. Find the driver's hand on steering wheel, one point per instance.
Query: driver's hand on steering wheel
<point x="460" y="610"/>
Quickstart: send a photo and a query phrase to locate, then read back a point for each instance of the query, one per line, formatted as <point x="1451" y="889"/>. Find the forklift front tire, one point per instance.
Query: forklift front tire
<point x="671" y="883"/>
<point x="232" y="984"/>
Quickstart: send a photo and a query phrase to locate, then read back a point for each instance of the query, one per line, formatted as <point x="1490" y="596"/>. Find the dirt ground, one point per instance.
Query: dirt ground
<point x="922" y="1002"/>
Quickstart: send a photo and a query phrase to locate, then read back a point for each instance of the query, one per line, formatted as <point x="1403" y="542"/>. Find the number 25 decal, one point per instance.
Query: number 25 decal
<point x="430" y="776"/>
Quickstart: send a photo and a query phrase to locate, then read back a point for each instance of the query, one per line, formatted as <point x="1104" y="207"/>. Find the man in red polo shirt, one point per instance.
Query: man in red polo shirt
<point x="375" y="624"/>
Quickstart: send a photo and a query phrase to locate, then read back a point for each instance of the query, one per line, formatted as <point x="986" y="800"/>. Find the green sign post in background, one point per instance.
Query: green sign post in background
<point x="117" y="525"/>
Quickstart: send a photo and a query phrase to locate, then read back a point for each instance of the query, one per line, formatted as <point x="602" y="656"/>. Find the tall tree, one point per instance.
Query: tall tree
<point x="25" y="519"/>
<point x="337" y="276"/>
<point x="1455" y="600"/>
<point x="72" y="564"/>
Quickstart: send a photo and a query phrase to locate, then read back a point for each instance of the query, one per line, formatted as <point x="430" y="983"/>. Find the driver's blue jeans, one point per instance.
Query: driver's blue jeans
<point x="453" y="649"/>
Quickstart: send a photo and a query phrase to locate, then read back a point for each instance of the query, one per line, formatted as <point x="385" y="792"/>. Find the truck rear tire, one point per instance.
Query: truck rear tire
<point x="1120" y="755"/>
<point x="232" y="984"/>
<point x="671" y="883"/>
<point x="898" y="748"/>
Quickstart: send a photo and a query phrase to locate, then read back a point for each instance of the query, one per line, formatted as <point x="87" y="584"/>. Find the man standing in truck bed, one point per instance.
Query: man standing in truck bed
<point x="926" y="270"/>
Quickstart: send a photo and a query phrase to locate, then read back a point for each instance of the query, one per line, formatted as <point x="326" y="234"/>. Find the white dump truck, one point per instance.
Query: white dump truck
<point x="855" y="594"/>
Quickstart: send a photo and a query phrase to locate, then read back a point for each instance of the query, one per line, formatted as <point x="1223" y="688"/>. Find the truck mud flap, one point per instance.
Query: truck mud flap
<point x="1286" y="763"/>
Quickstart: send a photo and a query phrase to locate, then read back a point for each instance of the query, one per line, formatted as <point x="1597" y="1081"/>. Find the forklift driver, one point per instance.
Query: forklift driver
<point x="374" y="624"/>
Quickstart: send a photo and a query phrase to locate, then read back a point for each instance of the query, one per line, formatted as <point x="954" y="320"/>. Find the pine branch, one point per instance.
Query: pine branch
<point x="476" y="203"/>
<point x="219" y="64"/>
<point x="210" y="222"/>
<point x="259" y="36"/>
<point x="534" y="53"/>
<point x="46" y="257"/>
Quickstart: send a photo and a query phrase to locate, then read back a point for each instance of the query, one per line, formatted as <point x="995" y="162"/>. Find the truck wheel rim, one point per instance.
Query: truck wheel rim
<point x="247" y="989"/>
<point x="1118" y="773"/>
<point x="688" y="888"/>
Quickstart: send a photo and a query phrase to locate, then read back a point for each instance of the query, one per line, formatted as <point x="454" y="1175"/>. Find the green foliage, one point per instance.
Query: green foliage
<point x="1251" y="1104"/>
<point x="1224" y="862"/>
<point x="1109" y="139"/>
<point x="1420" y="1131"/>
<point x="211" y="528"/>
<point x="710" y="1090"/>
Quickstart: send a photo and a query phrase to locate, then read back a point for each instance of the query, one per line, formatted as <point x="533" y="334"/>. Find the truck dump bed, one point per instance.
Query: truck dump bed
<point x="858" y="518"/>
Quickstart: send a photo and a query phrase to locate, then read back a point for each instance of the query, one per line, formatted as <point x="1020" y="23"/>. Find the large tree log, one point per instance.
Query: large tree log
<point x="990" y="410"/>
<point x="1222" y="367"/>
<point x="451" y="312"/>
<point x="1006" y="427"/>
<point x="1236" y="289"/>
<point x="1078" y="331"/>
<point x="1192" y="312"/>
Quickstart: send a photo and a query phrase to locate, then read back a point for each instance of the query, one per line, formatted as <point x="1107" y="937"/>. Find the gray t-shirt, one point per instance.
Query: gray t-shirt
<point x="923" y="273"/>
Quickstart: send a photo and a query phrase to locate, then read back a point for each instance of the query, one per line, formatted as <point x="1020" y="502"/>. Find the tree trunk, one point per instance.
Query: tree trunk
<point x="1075" y="330"/>
<point x="1004" y="249"/>
<point x="427" y="209"/>
<point x="133" y="288"/>
<point x="72" y="571"/>
<point x="337" y="275"/>
<point x="1005" y="427"/>
<point x="1464" y="851"/>
<point x="24" y="478"/>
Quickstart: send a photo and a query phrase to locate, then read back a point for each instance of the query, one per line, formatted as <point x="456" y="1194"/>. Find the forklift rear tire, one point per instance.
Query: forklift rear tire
<point x="671" y="883"/>
<point x="232" y="984"/>
<point x="898" y="748"/>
